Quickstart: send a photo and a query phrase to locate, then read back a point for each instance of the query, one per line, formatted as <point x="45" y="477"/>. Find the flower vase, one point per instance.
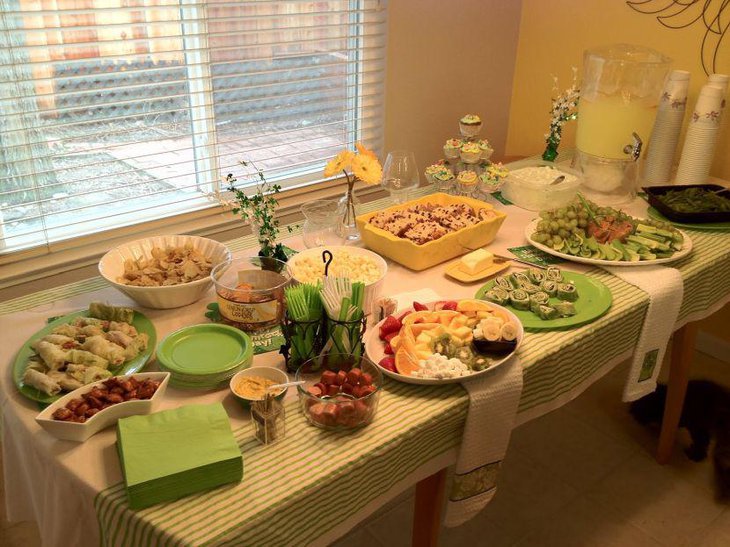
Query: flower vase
<point x="551" y="150"/>
<point x="348" y="229"/>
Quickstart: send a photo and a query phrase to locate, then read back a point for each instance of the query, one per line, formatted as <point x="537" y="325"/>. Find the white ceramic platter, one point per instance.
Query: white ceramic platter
<point x="686" y="249"/>
<point x="72" y="431"/>
<point x="375" y="349"/>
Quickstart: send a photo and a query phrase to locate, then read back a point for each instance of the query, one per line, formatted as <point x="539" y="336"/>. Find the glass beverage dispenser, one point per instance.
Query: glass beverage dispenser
<point x="620" y="92"/>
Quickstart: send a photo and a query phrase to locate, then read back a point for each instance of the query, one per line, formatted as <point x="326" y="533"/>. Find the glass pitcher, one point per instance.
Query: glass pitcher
<point x="322" y="220"/>
<point x="620" y="92"/>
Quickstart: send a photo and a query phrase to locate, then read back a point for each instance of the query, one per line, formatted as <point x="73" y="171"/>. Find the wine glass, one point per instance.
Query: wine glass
<point x="400" y="174"/>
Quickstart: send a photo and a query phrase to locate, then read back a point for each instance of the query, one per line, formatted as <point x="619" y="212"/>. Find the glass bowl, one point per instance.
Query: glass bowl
<point x="341" y="392"/>
<point x="250" y="292"/>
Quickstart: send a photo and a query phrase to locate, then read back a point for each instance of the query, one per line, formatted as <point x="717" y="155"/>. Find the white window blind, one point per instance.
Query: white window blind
<point x="115" y="112"/>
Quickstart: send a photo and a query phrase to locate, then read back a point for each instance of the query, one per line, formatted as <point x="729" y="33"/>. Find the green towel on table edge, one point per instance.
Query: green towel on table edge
<point x="174" y="453"/>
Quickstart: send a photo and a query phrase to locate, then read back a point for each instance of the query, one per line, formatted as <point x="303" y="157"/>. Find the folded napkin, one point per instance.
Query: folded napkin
<point x="665" y="289"/>
<point x="493" y="401"/>
<point x="174" y="453"/>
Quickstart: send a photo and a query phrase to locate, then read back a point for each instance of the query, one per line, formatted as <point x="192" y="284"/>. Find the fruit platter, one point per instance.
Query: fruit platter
<point x="584" y="232"/>
<point x="444" y="342"/>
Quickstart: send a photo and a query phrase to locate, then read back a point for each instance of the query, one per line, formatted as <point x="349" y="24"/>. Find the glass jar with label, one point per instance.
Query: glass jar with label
<point x="250" y="292"/>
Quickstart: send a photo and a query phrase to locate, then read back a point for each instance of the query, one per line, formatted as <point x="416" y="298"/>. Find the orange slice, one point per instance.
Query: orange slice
<point x="405" y="362"/>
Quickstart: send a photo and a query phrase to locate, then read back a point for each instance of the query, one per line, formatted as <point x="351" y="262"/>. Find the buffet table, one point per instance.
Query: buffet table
<point x="313" y="486"/>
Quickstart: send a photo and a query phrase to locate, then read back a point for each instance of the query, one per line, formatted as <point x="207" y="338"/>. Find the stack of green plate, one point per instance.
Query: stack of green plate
<point x="204" y="356"/>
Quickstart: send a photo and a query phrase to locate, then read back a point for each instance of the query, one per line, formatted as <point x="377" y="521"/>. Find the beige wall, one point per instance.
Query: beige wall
<point x="447" y="58"/>
<point x="553" y="35"/>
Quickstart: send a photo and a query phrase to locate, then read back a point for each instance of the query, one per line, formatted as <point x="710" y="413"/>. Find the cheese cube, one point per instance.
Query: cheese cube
<point x="476" y="261"/>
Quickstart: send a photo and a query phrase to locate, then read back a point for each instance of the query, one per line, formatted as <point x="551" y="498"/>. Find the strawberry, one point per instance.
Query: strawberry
<point x="388" y="350"/>
<point x="402" y="315"/>
<point x="419" y="307"/>
<point x="388" y="363"/>
<point x="389" y="337"/>
<point x="390" y="324"/>
<point x="449" y="305"/>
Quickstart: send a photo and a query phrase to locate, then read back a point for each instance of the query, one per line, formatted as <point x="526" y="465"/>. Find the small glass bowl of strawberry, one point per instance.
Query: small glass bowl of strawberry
<point x="340" y="391"/>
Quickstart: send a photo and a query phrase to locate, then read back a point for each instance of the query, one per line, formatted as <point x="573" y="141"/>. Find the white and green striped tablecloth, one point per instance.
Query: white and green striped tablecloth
<point x="300" y="489"/>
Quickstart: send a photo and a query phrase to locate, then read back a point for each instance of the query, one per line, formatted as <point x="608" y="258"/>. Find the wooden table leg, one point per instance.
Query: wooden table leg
<point x="427" y="510"/>
<point x="683" y="348"/>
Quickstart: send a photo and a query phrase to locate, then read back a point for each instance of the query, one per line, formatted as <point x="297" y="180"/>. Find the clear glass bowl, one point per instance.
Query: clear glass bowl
<point x="531" y="189"/>
<point x="349" y="403"/>
<point x="250" y="292"/>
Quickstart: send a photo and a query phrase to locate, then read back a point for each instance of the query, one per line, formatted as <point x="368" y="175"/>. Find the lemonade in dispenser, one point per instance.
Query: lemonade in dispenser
<point x="620" y="92"/>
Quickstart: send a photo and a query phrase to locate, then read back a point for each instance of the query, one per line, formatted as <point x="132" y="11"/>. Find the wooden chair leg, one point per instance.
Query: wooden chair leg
<point x="427" y="510"/>
<point x="682" y="350"/>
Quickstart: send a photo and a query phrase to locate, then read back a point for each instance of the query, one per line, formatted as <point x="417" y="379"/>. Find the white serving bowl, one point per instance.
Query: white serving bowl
<point x="270" y="373"/>
<point x="111" y="267"/>
<point x="372" y="290"/>
<point x="73" y="431"/>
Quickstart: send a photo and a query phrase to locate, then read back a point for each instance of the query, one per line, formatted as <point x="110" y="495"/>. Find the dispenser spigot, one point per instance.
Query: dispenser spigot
<point x="634" y="149"/>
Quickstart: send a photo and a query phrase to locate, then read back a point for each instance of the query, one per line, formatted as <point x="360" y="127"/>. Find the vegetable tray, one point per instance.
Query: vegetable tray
<point x="653" y="194"/>
<point x="421" y="257"/>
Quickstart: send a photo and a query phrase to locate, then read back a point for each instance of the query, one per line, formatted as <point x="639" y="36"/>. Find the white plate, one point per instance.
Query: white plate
<point x="73" y="431"/>
<point x="686" y="249"/>
<point x="375" y="349"/>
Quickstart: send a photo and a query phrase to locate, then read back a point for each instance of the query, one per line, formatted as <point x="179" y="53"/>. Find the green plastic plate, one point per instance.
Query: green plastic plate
<point x="594" y="300"/>
<point x="140" y="322"/>
<point x="204" y="350"/>
<point x="705" y="227"/>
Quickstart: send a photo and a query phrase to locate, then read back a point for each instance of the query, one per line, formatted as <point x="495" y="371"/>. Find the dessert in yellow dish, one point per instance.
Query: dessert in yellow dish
<point x="427" y="231"/>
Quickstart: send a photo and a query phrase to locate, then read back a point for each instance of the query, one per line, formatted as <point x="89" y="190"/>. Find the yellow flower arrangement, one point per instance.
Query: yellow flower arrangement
<point x="339" y="163"/>
<point x="364" y="164"/>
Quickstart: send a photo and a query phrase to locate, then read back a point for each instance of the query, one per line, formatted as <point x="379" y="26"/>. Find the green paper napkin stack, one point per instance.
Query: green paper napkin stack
<point x="174" y="453"/>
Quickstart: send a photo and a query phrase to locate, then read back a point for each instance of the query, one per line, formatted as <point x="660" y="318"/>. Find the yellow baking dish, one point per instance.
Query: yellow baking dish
<point x="420" y="257"/>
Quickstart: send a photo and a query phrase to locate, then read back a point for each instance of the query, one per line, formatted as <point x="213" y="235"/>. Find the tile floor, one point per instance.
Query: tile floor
<point x="583" y="475"/>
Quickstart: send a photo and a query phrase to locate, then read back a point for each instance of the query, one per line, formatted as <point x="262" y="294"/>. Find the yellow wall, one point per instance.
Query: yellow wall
<point x="553" y="35"/>
<point x="447" y="59"/>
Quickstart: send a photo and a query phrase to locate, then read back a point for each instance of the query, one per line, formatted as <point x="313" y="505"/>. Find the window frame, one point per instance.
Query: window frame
<point x="202" y="216"/>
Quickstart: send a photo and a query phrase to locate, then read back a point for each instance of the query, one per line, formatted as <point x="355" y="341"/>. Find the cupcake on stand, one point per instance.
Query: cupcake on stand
<point x="466" y="182"/>
<point x="467" y="160"/>
<point x="492" y="178"/>
<point x="452" y="149"/>
<point x="470" y="125"/>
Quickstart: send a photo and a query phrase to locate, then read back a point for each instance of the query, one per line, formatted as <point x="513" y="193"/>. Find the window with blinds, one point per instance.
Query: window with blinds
<point x="115" y="112"/>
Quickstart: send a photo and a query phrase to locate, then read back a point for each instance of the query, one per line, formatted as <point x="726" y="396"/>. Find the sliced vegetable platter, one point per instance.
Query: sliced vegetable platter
<point x="585" y="232"/>
<point x="594" y="300"/>
<point x="140" y="322"/>
<point x="378" y="338"/>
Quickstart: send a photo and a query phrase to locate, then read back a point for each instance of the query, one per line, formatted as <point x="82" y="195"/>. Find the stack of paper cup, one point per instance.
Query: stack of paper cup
<point x="667" y="126"/>
<point x="701" y="138"/>
<point x="719" y="81"/>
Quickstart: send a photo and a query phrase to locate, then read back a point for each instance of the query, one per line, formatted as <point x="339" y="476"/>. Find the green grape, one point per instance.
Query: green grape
<point x="582" y="223"/>
<point x="554" y="226"/>
<point x="571" y="214"/>
<point x="542" y="226"/>
<point x="563" y="233"/>
<point x="574" y="223"/>
<point x="557" y="240"/>
<point x="561" y="223"/>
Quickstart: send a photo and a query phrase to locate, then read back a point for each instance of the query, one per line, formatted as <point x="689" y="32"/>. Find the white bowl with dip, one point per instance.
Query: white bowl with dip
<point x="528" y="186"/>
<point x="269" y="373"/>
